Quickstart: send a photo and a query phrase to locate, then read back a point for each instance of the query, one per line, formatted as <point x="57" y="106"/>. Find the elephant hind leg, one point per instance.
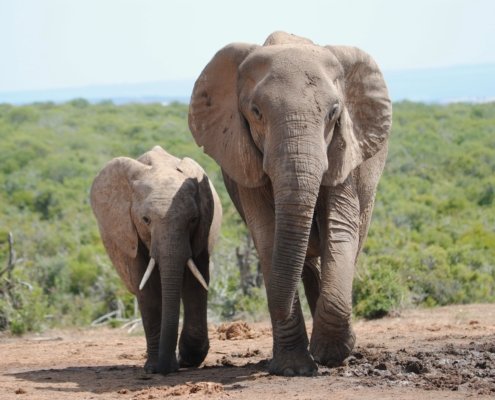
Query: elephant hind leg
<point x="311" y="277"/>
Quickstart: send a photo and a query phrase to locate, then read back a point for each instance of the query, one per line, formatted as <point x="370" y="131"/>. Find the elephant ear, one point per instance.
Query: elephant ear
<point x="216" y="122"/>
<point x="210" y="209"/>
<point x="365" y="121"/>
<point x="110" y="198"/>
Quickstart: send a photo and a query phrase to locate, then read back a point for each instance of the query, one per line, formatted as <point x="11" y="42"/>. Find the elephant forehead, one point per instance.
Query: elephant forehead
<point x="165" y="198"/>
<point x="166" y="186"/>
<point x="291" y="59"/>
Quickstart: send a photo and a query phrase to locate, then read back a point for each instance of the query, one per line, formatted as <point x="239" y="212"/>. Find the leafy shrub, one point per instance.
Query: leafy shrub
<point x="20" y="115"/>
<point x="79" y="103"/>
<point x="378" y="289"/>
<point x="22" y="309"/>
<point x="431" y="241"/>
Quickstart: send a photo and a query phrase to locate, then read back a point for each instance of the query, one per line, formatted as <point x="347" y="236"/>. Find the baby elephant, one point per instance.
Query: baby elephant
<point x="161" y="211"/>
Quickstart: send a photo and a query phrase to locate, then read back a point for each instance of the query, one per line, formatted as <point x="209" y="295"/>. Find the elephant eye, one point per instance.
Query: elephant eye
<point x="146" y="220"/>
<point x="256" y="112"/>
<point x="333" y="111"/>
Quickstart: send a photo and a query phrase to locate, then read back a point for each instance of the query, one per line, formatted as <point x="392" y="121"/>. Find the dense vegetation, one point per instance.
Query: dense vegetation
<point x="432" y="239"/>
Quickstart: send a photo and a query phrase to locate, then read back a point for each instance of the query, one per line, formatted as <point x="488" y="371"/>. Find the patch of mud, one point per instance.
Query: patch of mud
<point x="247" y="354"/>
<point x="452" y="367"/>
<point x="130" y="356"/>
<point x="187" y="389"/>
<point x="237" y="330"/>
<point x="238" y="358"/>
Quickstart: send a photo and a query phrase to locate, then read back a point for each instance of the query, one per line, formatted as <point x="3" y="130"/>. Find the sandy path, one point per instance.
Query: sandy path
<point x="444" y="353"/>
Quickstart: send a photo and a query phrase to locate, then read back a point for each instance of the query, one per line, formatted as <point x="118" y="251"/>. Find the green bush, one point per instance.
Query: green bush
<point x="431" y="241"/>
<point x="378" y="287"/>
<point x="23" y="309"/>
<point x="21" y="115"/>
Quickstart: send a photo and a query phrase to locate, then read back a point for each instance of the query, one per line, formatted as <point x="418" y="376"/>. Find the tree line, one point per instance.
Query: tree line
<point x="431" y="241"/>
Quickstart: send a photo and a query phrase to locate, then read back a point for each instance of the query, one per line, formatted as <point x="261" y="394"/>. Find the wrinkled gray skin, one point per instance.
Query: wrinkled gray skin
<point x="300" y="132"/>
<point x="162" y="207"/>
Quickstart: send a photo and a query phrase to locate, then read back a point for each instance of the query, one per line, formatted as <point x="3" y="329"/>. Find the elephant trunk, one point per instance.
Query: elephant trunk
<point x="296" y="177"/>
<point x="172" y="257"/>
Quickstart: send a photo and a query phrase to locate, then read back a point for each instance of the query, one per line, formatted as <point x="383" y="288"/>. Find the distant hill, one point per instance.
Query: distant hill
<point x="148" y="92"/>
<point x="470" y="83"/>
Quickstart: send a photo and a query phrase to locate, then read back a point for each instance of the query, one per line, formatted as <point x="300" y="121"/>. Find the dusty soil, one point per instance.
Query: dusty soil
<point x="445" y="353"/>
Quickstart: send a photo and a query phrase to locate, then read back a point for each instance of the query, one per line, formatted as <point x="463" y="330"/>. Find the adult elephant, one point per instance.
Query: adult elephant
<point x="161" y="210"/>
<point x="300" y="132"/>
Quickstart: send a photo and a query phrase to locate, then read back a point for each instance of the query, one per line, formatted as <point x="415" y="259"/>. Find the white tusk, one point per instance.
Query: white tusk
<point x="147" y="273"/>
<point x="196" y="273"/>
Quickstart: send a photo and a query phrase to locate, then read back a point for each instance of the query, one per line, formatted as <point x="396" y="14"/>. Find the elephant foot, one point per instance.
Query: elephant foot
<point x="192" y="353"/>
<point x="293" y="363"/>
<point x="168" y="366"/>
<point x="290" y="346"/>
<point x="151" y="365"/>
<point x="331" y="349"/>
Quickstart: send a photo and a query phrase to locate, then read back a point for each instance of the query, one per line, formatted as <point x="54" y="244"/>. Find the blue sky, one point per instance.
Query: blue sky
<point x="46" y="44"/>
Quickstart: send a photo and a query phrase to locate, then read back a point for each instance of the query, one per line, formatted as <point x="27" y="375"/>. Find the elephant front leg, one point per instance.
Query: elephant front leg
<point x="149" y="300"/>
<point x="290" y="346"/>
<point x="333" y="338"/>
<point x="290" y="340"/>
<point x="193" y="343"/>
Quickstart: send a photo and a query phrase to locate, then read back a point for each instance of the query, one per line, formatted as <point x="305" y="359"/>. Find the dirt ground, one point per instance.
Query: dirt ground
<point x="444" y="353"/>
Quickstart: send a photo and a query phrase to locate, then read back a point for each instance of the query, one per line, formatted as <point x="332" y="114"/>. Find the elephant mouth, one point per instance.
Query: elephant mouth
<point x="190" y="264"/>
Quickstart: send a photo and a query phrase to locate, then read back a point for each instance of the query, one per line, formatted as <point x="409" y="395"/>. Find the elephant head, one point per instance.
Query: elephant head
<point x="251" y="102"/>
<point x="159" y="210"/>
<point x="297" y="116"/>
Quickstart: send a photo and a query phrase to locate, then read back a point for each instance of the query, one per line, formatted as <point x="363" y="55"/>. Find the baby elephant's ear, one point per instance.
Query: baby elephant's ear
<point x="111" y="202"/>
<point x="216" y="122"/>
<point x="366" y="119"/>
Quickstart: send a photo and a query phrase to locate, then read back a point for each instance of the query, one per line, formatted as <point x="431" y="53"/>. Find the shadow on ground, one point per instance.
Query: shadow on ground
<point x="132" y="378"/>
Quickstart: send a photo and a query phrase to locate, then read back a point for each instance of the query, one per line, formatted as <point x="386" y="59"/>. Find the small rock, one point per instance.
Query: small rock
<point x="381" y="366"/>
<point x="415" y="366"/>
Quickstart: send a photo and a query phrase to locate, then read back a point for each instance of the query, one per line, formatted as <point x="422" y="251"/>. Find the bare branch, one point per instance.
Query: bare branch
<point x="12" y="258"/>
<point x="105" y="317"/>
